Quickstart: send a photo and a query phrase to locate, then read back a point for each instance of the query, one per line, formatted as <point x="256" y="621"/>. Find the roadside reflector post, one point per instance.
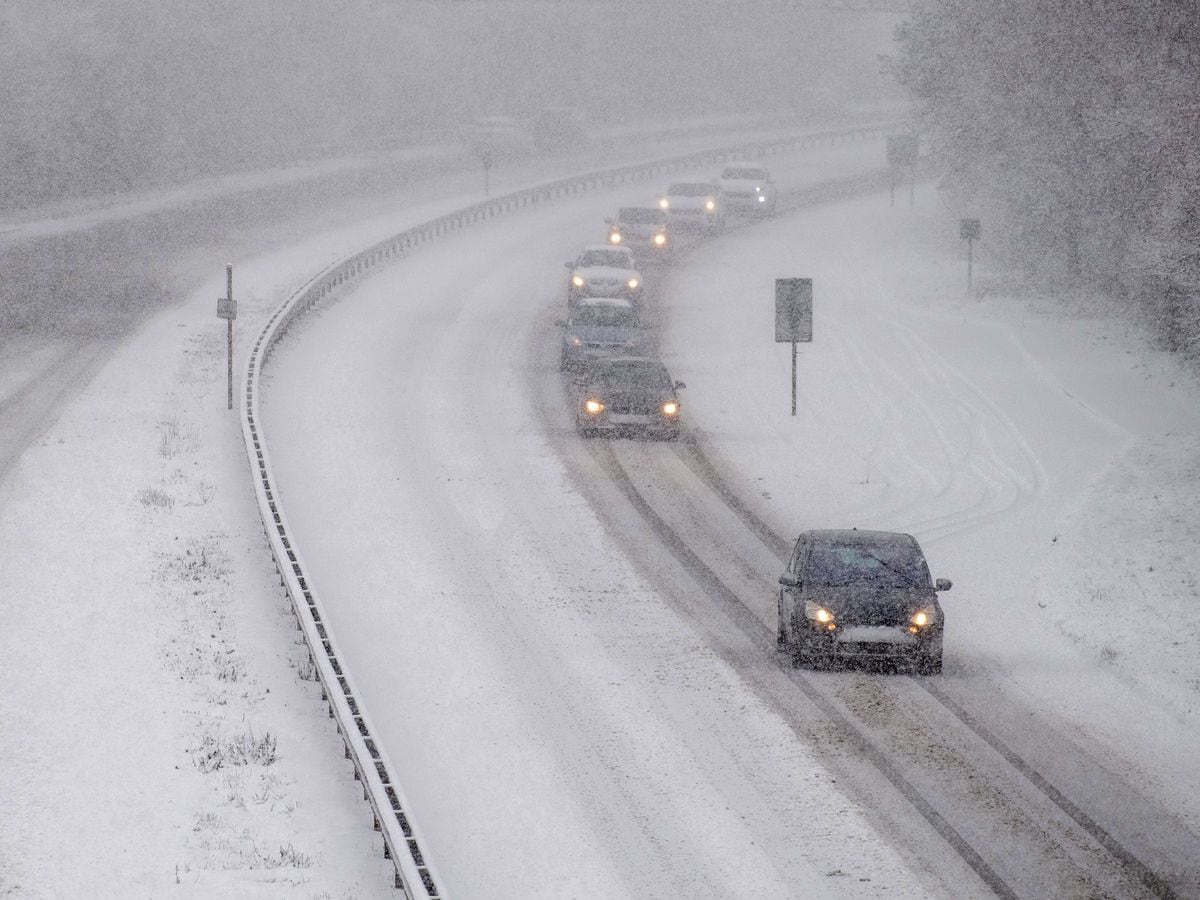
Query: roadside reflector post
<point x="970" y="230"/>
<point x="793" y="317"/>
<point x="227" y="310"/>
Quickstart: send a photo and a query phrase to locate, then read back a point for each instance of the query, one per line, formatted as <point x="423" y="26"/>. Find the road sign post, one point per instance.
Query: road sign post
<point x="793" y="317"/>
<point x="227" y="310"/>
<point x="970" y="231"/>
<point x="904" y="150"/>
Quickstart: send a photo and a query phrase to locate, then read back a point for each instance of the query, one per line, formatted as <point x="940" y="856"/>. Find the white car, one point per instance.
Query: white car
<point x="602" y="270"/>
<point x="747" y="188"/>
<point x="694" y="204"/>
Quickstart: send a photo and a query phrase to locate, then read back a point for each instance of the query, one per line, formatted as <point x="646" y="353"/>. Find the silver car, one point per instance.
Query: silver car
<point x="600" y="326"/>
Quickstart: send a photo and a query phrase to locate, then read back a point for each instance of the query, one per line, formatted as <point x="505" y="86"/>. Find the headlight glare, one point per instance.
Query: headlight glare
<point x="594" y="407"/>
<point x="670" y="408"/>
<point x="817" y="613"/>
<point x="710" y="205"/>
<point x="923" y="617"/>
<point x="664" y="203"/>
<point x="614" y="237"/>
<point x="577" y="281"/>
<point x="633" y="283"/>
<point x="660" y="239"/>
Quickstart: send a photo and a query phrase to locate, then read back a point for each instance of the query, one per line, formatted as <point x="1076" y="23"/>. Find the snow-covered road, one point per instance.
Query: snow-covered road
<point x="569" y="716"/>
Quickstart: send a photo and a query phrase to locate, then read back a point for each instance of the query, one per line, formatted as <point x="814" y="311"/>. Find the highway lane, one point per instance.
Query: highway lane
<point x="559" y="728"/>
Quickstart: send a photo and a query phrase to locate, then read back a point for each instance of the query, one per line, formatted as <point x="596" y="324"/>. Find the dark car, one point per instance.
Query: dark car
<point x="600" y="326"/>
<point x="864" y="595"/>
<point x="627" y="394"/>
<point x="643" y="229"/>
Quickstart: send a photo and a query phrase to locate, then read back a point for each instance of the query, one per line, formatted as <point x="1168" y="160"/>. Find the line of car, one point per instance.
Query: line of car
<point x="622" y="389"/>
<point x="846" y="594"/>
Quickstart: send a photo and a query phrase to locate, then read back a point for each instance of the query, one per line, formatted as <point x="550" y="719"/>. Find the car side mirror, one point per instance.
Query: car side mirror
<point x="679" y="385"/>
<point x="943" y="584"/>
<point x="787" y="579"/>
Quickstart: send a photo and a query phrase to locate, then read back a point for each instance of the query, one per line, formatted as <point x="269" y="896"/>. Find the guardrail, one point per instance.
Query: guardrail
<point x="414" y="874"/>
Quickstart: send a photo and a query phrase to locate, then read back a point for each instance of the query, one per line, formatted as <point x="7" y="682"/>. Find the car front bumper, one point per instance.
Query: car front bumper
<point x="868" y="643"/>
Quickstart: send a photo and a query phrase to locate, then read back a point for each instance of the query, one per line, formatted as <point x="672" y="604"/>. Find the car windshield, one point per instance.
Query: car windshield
<point x="745" y="174"/>
<point x="639" y="215"/>
<point x="605" y="316"/>
<point x="690" y="190"/>
<point x="640" y="373"/>
<point x="892" y="564"/>
<point x="613" y="258"/>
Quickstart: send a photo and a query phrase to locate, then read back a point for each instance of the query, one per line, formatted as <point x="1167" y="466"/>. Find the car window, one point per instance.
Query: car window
<point x="603" y="258"/>
<point x="745" y="174"/>
<point x="884" y="565"/>
<point x="643" y="374"/>
<point x="690" y="190"/>
<point x="639" y="216"/>
<point x="608" y="316"/>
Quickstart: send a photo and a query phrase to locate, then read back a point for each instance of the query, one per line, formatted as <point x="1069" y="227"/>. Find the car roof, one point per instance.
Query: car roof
<point x="613" y="362"/>
<point x="737" y="164"/>
<point x="675" y="185"/>
<point x="859" y="537"/>
<point x="620" y="302"/>
<point x="625" y="251"/>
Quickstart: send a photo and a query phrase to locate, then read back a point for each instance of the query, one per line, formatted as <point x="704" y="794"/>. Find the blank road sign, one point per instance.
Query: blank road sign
<point x="793" y="309"/>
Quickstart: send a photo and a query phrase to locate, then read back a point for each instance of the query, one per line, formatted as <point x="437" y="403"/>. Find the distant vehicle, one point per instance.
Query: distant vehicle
<point x="630" y="394"/>
<point x="642" y="229"/>
<point x="601" y="270"/>
<point x="693" y="204"/>
<point x="863" y="595"/>
<point x="747" y="188"/>
<point x="558" y="129"/>
<point x="600" y="326"/>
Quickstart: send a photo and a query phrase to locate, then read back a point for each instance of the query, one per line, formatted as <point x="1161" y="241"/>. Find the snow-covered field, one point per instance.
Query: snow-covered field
<point x="560" y="728"/>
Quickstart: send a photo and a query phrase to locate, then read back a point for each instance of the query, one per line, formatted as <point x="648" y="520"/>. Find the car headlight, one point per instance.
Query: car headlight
<point x="670" y="408"/>
<point x="577" y="281"/>
<point x="814" y="612"/>
<point x="633" y="283"/>
<point x="593" y="407"/>
<point x="762" y="198"/>
<point x="758" y="189"/>
<point x="575" y="341"/>
<point x="614" y="237"/>
<point x="922" y="618"/>
<point x="664" y="203"/>
<point x="660" y="239"/>
<point x="710" y="205"/>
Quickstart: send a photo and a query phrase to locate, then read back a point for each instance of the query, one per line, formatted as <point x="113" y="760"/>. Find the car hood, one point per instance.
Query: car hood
<point x="609" y="334"/>
<point x="867" y="604"/>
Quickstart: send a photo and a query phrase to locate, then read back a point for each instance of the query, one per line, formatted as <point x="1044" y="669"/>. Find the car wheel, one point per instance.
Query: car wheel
<point x="781" y="640"/>
<point x="930" y="665"/>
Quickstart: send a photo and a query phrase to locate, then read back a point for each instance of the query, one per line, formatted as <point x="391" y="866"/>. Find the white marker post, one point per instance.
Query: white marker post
<point x="227" y="310"/>
<point x="793" y="317"/>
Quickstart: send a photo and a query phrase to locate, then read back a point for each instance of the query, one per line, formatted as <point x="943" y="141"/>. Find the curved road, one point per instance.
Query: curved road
<point x="566" y="645"/>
